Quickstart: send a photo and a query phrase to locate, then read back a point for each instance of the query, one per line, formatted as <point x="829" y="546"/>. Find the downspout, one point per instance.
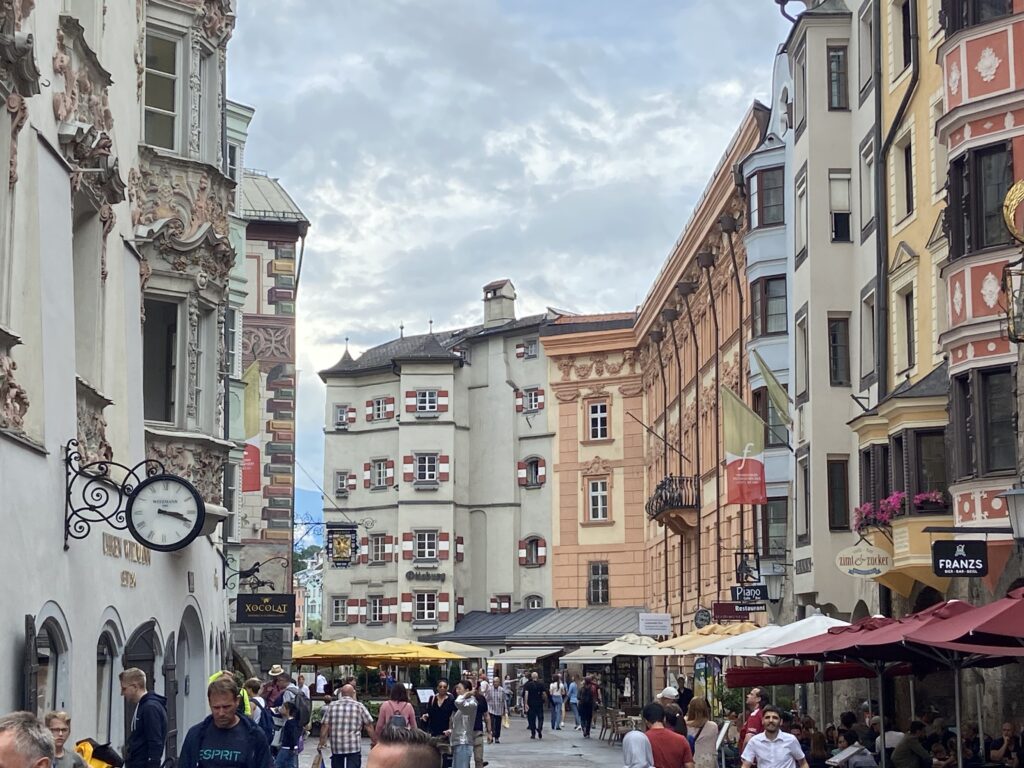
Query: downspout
<point x="706" y="260"/>
<point x="686" y="289"/>
<point x="881" y="190"/>
<point x="669" y="315"/>
<point x="729" y="227"/>
<point x="657" y="336"/>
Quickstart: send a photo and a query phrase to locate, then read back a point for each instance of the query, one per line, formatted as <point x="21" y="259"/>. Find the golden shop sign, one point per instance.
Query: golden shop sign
<point x="863" y="561"/>
<point x="265" y="609"/>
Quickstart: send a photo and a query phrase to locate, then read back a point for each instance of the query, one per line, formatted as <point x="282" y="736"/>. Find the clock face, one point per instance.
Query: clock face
<point x="165" y="513"/>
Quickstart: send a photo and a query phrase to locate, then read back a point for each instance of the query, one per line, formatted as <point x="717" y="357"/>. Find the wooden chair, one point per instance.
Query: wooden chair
<point x="605" y="723"/>
<point x="623" y="725"/>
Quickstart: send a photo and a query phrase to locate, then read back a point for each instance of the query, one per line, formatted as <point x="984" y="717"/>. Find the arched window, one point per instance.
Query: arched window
<point x="52" y="676"/>
<point x="533" y="602"/>
<point x="105" y="655"/>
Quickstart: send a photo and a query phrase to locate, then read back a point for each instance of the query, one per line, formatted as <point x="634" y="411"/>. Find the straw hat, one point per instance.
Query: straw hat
<point x="276" y="671"/>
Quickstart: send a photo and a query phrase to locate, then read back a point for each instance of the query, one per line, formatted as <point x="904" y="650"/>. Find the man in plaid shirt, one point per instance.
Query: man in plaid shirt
<point x="344" y="722"/>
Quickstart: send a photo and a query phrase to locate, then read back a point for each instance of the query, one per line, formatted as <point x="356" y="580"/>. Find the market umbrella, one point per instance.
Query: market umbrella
<point x="753" y="644"/>
<point x="749" y="677"/>
<point x="469" y="651"/>
<point x="342" y="651"/>
<point x="413" y="653"/>
<point x="635" y="645"/>
<point x="708" y="634"/>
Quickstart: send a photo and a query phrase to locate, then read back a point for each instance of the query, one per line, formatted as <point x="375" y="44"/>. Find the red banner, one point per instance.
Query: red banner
<point x="744" y="451"/>
<point x="251" y="479"/>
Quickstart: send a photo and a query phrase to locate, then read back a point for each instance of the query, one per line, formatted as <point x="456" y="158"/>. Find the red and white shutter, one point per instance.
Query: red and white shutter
<point x="522" y="551"/>
<point x="406" y="606"/>
<point x="444" y="606"/>
<point x="389" y="472"/>
<point x="366" y="475"/>
<point x="520" y="350"/>
<point x="369" y="410"/>
<point x="521" y="472"/>
<point x="408" y="469"/>
<point x="504" y="604"/>
<point x="460" y="607"/>
<point x="351" y="415"/>
<point x="444" y="468"/>
<point x="492" y="604"/>
<point x="442" y="401"/>
<point x="364" y="550"/>
<point x="542" y="473"/>
<point x="542" y="552"/>
<point x="352" y="481"/>
<point x="389" y="407"/>
<point x="389" y="548"/>
<point x="362" y="611"/>
<point x="444" y="545"/>
<point x="519" y="400"/>
<point x="410" y="401"/>
<point x="407" y="545"/>
<point x="540" y="399"/>
<point x="460" y="549"/>
<point x="352" y="609"/>
<point x="391" y="614"/>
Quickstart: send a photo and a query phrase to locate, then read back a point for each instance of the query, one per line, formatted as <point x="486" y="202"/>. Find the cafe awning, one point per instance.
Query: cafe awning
<point x="588" y="654"/>
<point x="525" y="655"/>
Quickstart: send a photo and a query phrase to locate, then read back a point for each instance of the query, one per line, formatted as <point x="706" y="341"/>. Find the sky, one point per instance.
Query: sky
<point x="436" y="145"/>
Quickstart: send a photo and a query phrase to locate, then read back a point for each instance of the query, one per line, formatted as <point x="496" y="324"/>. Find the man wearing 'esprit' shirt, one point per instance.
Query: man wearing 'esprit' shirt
<point x="223" y="739"/>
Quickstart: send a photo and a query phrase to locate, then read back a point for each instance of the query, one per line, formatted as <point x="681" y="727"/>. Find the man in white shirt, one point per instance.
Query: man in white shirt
<point x="321" y="684"/>
<point x="302" y="685"/>
<point x="772" y="748"/>
<point x="887" y="739"/>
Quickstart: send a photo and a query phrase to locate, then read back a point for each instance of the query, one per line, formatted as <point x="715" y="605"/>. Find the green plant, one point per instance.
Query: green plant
<point x="374" y="708"/>
<point x="731" y="699"/>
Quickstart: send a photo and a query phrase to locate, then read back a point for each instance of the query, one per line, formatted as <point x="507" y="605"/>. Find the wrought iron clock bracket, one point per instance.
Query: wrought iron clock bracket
<point x="92" y="495"/>
<point x="251" y="573"/>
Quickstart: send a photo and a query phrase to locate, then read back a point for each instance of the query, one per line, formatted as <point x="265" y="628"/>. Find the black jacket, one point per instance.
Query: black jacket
<point x="258" y="755"/>
<point x="144" y="747"/>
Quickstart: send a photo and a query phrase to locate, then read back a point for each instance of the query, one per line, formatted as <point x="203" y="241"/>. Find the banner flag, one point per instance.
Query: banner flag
<point x="776" y="392"/>
<point x="744" y="451"/>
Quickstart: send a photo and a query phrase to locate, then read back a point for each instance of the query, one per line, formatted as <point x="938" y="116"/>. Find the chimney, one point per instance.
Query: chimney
<point x="499" y="303"/>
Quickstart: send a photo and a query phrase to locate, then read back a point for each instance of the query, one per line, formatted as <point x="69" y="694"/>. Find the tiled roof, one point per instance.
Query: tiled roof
<point x="545" y="626"/>
<point x="935" y="384"/>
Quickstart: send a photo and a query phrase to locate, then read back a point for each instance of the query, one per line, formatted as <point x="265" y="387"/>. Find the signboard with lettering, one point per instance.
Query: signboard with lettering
<point x="265" y="609"/>
<point x="960" y="558"/>
<point x="747" y="593"/>
<point x="425" y="576"/>
<point x="701" y="618"/>
<point x="654" y="624"/>
<point x="735" y="611"/>
<point x="342" y="545"/>
<point x="863" y="561"/>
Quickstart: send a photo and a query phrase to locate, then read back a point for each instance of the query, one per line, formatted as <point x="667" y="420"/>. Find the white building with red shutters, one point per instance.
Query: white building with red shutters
<point x="435" y="468"/>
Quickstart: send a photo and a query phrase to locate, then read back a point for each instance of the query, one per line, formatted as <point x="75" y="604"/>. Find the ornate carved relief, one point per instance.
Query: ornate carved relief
<point x="630" y="390"/>
<point x="597" y="466"/>
<point x="567" y="395"/>
<point x="107" y="219"/>
<point x="193" y="354"/>
<point x="19" y="114"/>
<point x="565" y="365"/>
<point x="14" y="401"/>
<point x="268" y="343"/>
<point x="222" y="364"/>
<point x="17" y="59"/>
<point x="195" y="91"/>
<point x="200" y="461"/>
<point x="92" y="427"/>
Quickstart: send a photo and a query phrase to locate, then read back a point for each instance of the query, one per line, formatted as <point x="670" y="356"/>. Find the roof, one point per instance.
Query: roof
<point x="935" y="384"/>
<point x="584" y="323"/>
<point x="264" y="199"/>
<point x="545" y="626"/>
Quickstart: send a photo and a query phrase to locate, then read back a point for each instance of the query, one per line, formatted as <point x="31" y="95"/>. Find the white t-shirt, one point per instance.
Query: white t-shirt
<point x="321" y="684"/>
<point x="305" y="690"/>
<point x="781" y="752"/>
<point x="556" y="689"/>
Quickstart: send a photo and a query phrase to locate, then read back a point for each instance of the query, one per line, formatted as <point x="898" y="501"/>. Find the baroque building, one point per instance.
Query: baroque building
<point x="114" y="278"/>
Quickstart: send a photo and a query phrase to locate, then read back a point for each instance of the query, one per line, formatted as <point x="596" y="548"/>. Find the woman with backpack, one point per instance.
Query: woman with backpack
<point x="396" y="711"/>
<point x="589" y="697"/>
<point x="702" y="733"/>
<point x="288" y="754"/>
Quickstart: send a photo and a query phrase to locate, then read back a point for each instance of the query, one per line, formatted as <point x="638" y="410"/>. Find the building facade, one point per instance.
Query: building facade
<point x="114" y="264"/>
<point x="436" y="456"/>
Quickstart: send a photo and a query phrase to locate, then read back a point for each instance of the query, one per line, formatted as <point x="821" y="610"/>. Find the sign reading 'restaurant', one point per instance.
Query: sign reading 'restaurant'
<point x="960" y="558"/>
<point x="266" y="609"/>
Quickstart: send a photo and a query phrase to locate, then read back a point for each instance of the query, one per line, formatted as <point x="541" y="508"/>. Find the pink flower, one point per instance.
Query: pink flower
<point x="929" y="497"/>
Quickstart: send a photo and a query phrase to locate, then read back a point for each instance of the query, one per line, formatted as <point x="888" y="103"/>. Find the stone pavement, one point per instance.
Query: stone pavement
<point x="557" y="748"/>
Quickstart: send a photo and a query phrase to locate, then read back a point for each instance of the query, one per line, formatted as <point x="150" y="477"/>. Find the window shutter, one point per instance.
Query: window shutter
<point x="443" y="468"/>
<point x="542" y="552"/>
<point x="540" y="399"/>
<point x="522" y="551"/>
<point x="408" y="469"/>
<point x="504" y="603"/>
<point x="352" y="610"/>
<point x="492" y="604"/>
<point x="351" y="415"/>
<point x="392" y="609"/>
<point x="389" y="474"/>
<point x="542" y="473"/>
<point x="460" y="549"/>
<point x="352" y="480"/>
<point x="442" y="401"/>
<point x="460" y="607"/>
<point x="520" y="350"/>
<point x="389" y="548"/>
<point x="444" y="606"/>
<point x="362" y="611"/>
<point x="389" y="407"/>
<point x="369" y="410"/>
<point x="444" y="545"/>
<point x="366" y="475"/>
<point x="406" y="606"/>
<point x="407" y="545"/>
<point x="519" y="400"/>
<point x="410" y="401"/>
<point x="364" y="550"/>
<point x="521" y="472"/>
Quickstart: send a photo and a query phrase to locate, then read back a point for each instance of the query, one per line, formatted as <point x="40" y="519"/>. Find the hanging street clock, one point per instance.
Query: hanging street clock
<point x="165" y="513"/>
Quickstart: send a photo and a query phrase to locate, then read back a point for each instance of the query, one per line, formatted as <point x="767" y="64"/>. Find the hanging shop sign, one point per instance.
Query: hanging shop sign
<point x="747" y="593"/>
<point x="654" y="624"/>
<point x="265" y="609"/>
<point x="863" y="561"/>
<point x="735" y="611"/>
<point x="960" y="558"/>
<point x="701" y="618"/>
<point x="342" y="545"/>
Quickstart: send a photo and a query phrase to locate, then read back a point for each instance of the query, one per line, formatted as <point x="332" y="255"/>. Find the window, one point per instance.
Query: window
<point x="909" y="349"/>
<point x="903" y="157"/>
<point x="160" y="360"/>
<point x="425" y="606"/>
<point x="598" y="420"/>
<point x="802" y="357"/>
<point x="960" y="14"/>
<point x="776" y="433"/>
<point x="597" y="500"/>
<point x="838" y="494"/>
<point x="839" y="204"/>
<point x="231" y="335"/>
<point x="105" y="696"/>
<point x="378" y="473"/>
<point x="426" y="401"/>
<point x="378" y="548"/>
<point x="773" y="517"/>
<point x="161" y="99"/>
<point x="203" y="371"/>
<point x="838" y="78"/>
<point x="531" y="399"/>
<point x="597" y="583"/>
<point x="867" y="185"/>
<point x="901" y="41"/>
<point x="533" y="602"/>
<point x="898" y="454"/>
<point x="839" y="351"/>
<point x="533" y="477"/>
<point x="978" y="182"/>
<point x="234" y="153"/>
<point x="803" y="470"/>
<point x="533" y="551"/>
<point x="865" y="48"/>
<point x="341" y="483"/>
<point x="339" y="612"/>
<point x="380" y="408"/>
<point x="867" y="335"/>
<point x="768" y="306"/>
<point x="800" y="225"/>
<point x="341" y="417"/>
<point x="530" y="348"/>
<point x="996" y="411"/>
<point x="939" y="150"/>
<point x="426" y="545"/>
<point x="425" y="468"/>
<point x="375" y="609"/>
<point x="767" y="197"/>
<point x="929" y="466"/>
<point x="801" y="88"/>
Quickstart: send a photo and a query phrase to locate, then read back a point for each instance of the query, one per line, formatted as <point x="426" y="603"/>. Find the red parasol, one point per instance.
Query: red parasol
<point x="832" y="644"/>
<point x="996" y="629"/>
<point x="749" y="677"/>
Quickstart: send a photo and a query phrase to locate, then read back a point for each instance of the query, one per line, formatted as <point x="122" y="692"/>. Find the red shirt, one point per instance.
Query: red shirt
<point x="670" y="749"/>
<point x="751" y="727"/>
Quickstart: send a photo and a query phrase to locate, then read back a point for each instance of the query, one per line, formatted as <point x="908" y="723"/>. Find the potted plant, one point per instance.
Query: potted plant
<point x="930" y="501"/>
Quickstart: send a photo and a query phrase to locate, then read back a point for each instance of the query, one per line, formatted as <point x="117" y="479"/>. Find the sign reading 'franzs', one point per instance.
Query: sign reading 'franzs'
<point x="265" y="609"/>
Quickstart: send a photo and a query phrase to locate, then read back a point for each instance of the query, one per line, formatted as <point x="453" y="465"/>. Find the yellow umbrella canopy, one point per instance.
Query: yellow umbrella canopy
<point x="414" y="653"/>
<point x="708" y="634"/>
<point x="342" y="651"/>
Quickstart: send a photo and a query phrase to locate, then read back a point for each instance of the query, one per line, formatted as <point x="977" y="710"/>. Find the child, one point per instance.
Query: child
<point x="288" y="756"/>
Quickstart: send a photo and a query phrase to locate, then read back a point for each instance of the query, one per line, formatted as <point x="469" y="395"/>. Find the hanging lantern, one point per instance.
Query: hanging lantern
<point x="1013" y="273"/>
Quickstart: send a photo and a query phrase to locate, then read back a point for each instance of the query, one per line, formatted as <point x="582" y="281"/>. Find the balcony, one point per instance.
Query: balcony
<point x="911" y="549"/>
<point x="676" y="503"/>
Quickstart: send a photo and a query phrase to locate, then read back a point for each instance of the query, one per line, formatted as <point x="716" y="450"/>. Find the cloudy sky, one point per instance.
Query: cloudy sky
<point x="436" y="145"/>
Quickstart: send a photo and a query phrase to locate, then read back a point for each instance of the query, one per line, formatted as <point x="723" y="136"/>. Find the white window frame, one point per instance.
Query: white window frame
<point x="177" y="80"/>
<point x="341" y="416"/>
<point x="425" y="467"/>
<point x="865" y="49"/>
<point x="899" y="180"/>
<point x="597" y="499"/>
<point x="597" y="419"/>
<point x="341" y="483"/>
<point x="530" y="348"/>
<point x="378" y="473"/>
<point x="533" y="472"/>
<point x="533" y="602"/>
<point x="531" y="400"/>
<point x="425" y="545"/>
<point x="800" y="234"/>
<point x="801" y="87"/>
<point x="377" y="548"/>
<point x="177" y="362"/>
<point x="424" y="606"/>
<point x="339" y="602"/>
<point x="426" y="401"/>
<point x="375" y="609"/>
<point x="380" y="408"/>
<point x="839" y="187"/>
<point x="602" y="579"/>
<point x="233" y="164"/>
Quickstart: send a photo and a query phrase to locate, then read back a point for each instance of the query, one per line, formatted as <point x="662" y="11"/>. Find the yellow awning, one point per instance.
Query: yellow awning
<point x="707" y="635"/>
<point x="342" y="651"/>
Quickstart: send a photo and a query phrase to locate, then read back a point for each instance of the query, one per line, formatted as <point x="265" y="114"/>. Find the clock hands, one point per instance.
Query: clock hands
<point x="169" y="513"/>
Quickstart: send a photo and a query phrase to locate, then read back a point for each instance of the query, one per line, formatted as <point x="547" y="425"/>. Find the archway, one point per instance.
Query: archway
<point x="52" y="660"/>
<point x="925" y="598"/>
<point x="142" y="651"/>
<point x="860" y="611"/>
<point x="190" y="658"/>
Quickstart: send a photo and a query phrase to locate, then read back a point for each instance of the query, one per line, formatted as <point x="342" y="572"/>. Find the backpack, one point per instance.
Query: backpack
<point x="303" y="705"/>
<point x="397" y="719"/>
<point x="586" y="695"/>
<point x="265" y="719"/>
<point x="98" y="755"/>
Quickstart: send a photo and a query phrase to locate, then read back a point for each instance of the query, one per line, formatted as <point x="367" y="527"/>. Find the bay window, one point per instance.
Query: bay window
<point x="978" y="181"/>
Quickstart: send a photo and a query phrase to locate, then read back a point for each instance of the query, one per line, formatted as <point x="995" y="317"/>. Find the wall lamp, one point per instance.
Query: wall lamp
<point x="657" y="336"/>
<point x="729" y="223"/>
<point x="686" y="288"/>
<point x="669" y="314"/>
<point x="705" y="259"/>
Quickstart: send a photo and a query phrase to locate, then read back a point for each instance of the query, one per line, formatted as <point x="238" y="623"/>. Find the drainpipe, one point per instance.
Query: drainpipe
<point x="687" y="289"/>
<point x="706" y="260"/>
<point x="657" y="336"/>
<point x="669" y="315"/>
<point x="730" y="226"/>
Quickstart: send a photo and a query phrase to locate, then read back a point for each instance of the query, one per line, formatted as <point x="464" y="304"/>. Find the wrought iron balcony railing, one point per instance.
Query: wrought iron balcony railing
<point x="675" y="493"/>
